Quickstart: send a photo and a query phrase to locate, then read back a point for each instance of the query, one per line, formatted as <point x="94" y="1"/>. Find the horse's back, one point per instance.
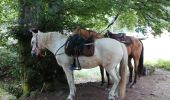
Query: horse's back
<point x="108" y="45"/>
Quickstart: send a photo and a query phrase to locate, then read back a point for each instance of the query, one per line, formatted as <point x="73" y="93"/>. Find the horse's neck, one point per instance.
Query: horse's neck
<point x="50" y="40"/>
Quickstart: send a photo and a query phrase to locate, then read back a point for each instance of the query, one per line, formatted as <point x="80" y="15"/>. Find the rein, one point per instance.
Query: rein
<point x="59" y="49"/>
<point x="113" y="21"/>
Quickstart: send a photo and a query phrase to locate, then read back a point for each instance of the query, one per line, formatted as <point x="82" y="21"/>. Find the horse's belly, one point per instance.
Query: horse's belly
<point x="89" y="62"/>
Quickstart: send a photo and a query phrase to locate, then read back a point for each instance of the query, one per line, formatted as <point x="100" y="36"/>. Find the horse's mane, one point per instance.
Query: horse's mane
<point x="48" y="37"/>
<point x="55" y="34"/>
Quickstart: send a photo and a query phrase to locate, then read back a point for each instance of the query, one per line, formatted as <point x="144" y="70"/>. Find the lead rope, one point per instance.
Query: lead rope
<point x="113" y="21"/>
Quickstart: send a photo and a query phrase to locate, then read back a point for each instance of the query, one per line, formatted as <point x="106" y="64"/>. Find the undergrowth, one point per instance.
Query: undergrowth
<point x="160" y="63"/>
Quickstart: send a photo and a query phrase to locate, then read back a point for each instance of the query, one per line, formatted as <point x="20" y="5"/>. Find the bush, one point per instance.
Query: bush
<point x="9" y="63"/>
<point x="12" y="87"/>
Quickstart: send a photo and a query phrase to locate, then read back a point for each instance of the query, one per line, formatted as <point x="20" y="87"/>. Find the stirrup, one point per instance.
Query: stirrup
<point x="75" y="65"/>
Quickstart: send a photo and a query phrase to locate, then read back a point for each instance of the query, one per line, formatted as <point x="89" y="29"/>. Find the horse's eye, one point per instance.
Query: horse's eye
<point x="32" y="43"/>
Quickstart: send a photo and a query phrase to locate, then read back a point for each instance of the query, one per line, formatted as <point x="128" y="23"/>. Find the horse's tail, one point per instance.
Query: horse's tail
<point x="123" y="72"/>
<point x="141" y="59"/>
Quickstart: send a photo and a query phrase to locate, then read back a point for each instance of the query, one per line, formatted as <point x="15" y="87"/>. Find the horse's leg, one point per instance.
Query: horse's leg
<point x="69" y="75"/>
<point x="102" y="74"/>
<point x="130" y="69"/>
<point x="108" y="79"/>
<point x="136" y="62"/>
<point x="116" y="78"/>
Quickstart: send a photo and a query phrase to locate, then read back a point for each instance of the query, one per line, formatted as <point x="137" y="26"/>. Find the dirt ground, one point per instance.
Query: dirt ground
<point x="150" y="87"/>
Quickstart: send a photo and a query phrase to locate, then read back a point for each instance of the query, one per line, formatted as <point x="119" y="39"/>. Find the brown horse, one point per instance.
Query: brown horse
<point x="135" y="50"/>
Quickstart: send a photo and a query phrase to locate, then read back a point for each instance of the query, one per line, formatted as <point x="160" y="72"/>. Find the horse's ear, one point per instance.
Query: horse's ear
<point x="34" y="30"/>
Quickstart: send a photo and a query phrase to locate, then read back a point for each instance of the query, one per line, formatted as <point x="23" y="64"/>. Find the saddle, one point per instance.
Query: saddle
<point x="78" y="46"/>
<point x="121" y="37"/>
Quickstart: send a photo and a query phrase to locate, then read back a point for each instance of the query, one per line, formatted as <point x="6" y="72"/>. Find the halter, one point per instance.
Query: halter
<point x="37" y="47"/>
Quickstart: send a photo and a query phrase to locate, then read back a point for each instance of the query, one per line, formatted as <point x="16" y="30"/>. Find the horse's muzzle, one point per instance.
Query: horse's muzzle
<point x="33" y="54"/>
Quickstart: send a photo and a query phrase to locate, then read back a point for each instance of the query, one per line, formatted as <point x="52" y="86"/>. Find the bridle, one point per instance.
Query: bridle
<point x="38" y="48"/>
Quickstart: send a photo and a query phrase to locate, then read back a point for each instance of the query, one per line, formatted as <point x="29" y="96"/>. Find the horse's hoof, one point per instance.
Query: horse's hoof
<point x="101" y="84"/>
<point x="132" y="86"/>
<point x="69" y="99"/>
<point x="129" y="85"/>
<point x="112" y="99"/>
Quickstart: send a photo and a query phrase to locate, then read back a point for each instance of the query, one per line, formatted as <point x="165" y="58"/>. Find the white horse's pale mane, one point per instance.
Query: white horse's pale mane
<point x="49" y="37"/>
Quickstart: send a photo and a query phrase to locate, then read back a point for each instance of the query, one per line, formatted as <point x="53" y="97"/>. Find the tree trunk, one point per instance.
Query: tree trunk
<point x="35" y="71"/>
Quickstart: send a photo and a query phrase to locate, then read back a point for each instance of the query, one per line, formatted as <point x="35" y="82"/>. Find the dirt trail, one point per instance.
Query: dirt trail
<point x="151" y="87"/>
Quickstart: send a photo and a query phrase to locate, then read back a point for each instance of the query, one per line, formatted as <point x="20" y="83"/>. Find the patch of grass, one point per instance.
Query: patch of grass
<point x="11" y="87"/>
<point x="6" y="96"/>
<point x="160" y="63"/>
<point x="93" y="73"/>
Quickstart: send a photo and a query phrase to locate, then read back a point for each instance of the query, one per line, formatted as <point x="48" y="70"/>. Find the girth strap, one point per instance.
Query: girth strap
<point x="76" y="64"/>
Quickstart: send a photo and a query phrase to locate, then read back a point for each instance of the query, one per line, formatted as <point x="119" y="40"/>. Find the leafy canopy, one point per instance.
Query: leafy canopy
<point x="91" y="13"/>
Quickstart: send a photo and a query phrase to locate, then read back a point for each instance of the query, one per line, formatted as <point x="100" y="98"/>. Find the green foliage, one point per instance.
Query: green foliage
<point x="91" y="13"/>
<point x="11" y="87"/>
<point x="56" y="15"/>
<point x="142" y="29"/>
<point x="8" y="11"/>
<point x="88" y="13"/>
<point x="9" y="64"/>
<point x="129" y="20"/>
<point x="4" y="94"/>
<point x="165" y="64"/>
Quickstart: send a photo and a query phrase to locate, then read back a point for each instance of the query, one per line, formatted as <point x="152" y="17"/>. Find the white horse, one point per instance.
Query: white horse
<point x="108" y="53"/>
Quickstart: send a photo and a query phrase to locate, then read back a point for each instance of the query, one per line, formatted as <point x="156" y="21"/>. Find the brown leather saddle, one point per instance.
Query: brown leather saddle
<point x="78" y="46"/>
<point x="121" y="37"/>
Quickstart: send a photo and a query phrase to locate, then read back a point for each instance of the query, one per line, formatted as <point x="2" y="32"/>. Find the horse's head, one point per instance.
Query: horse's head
<point x="34" y="42"/>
